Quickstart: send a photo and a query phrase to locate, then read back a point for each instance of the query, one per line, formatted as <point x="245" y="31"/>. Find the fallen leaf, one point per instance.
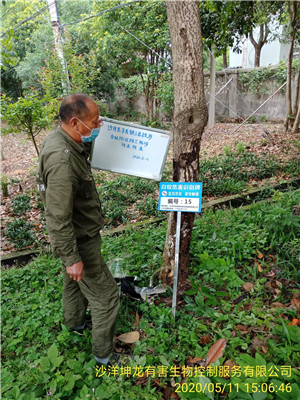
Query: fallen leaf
<point x="137" y="320"/>
<point x="18" y="171"/>
<point x="271" y="274"/>
<point x="296" y="295"/>
<point x="296" y="303"/>
<point x="193" y="360"/>
<point x="264" y="349"/>
<point x="273" y="258"/>
<point x="277" y="304"/>
<point x="118" y="349"/>
<point x="257" y="343"/>
<point x="205" y="339"/>
<point x="142" y="380"/>
<point x="216" y="351"/>
<point x="241" y="327"/>
<point x="230" y="364"/>
<point x="233" y="334"/>
<point x="248" y="286"/>
<point x="259" y="267"/>
<point x="129" y="337"/>
<point x="259" y="254"/>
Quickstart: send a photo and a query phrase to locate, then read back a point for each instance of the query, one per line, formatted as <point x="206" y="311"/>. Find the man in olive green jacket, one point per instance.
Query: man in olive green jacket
<point x="74" y="219"/>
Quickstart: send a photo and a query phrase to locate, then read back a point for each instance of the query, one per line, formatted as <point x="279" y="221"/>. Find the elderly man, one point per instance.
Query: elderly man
<point x="74" y="219"/>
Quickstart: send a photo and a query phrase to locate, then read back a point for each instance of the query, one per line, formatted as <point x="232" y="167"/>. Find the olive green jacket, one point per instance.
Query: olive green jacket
<point x="66" y="184"/>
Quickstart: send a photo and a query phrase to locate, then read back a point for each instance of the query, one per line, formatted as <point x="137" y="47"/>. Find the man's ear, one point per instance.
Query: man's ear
<point x="73" y="122"/>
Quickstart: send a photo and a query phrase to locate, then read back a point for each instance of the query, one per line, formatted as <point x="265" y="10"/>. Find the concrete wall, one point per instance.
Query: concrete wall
<point x="240" y="104"/>
<point x="232" y="102"/>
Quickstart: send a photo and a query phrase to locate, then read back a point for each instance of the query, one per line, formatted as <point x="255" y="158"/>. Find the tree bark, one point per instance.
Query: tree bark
<point x="189" y="120"/>
<point x="297" y="96"/>
<point x="263" y="38"/>
<point x="296" y="122"/>
<point x="225" y="63"/>
<point x="289" y="109"/>
<point x="293" y="9"/>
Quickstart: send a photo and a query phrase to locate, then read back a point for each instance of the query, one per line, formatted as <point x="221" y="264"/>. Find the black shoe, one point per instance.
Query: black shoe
<point x="87" y="326"/>
<point x="77" y="331"/>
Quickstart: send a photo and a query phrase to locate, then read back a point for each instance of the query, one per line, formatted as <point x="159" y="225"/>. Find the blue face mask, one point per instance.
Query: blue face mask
<point x="93" y="135"/>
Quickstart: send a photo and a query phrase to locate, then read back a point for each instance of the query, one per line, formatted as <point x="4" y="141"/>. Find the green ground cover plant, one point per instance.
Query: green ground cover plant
<point x="227" y="174"/>
<point x="116" y="201"/>
<point x="232" y="172"/>
<point x="127" y="199"/>
<point x="20" y="233"/>
<point x="21" y="204"/>
<point x="230" y="250"/>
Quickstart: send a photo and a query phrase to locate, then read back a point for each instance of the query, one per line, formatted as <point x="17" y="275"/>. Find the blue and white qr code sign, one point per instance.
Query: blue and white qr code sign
<point x="180" y="196"/>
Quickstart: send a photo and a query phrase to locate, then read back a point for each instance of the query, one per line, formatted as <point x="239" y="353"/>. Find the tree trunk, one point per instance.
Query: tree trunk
<point x="295" y="128"/>
<point x="289" y="109"/>
<point x="189" y="120"/>
<point x="296" y="122"/>
<point x="34" y="142"/>
<point x="297" y="96"/>
<point x="263" y="38"/>
<point x="257" y="56"/>
<point x="146" y="88"/>
<point x="225" y="64"/>
<point x="293" y="10"/>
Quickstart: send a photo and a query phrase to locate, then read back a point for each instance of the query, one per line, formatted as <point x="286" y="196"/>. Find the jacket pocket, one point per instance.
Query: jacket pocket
<point x="86" y="187"/>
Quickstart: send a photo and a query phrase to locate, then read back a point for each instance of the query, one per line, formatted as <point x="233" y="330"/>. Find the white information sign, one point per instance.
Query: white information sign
<point x="131" y="149"/>
<point x="180" y="196"/>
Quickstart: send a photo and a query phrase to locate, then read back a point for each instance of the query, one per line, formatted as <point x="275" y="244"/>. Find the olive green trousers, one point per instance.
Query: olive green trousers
<point x="98" y="289"/>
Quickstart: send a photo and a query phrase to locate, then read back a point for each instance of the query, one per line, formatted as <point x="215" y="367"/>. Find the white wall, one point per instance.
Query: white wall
<point x="271" y="53"/>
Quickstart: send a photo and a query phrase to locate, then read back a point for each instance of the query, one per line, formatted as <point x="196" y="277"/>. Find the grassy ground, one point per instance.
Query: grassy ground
<point x="244" y="279"/>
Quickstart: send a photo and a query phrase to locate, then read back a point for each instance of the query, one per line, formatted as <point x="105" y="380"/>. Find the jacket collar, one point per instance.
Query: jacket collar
<point x="75" y="146"/>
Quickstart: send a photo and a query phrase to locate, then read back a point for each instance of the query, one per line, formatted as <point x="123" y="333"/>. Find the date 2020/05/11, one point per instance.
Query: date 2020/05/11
<point x="229" y="387"/>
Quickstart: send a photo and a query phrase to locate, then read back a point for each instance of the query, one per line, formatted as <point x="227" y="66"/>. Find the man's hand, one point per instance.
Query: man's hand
<point x="75" y="271"/>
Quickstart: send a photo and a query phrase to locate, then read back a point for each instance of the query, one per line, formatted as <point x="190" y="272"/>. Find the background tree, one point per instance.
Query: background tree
<point x="224" y="24"/>
<point x="265" y="15"/>
<point x="296" y="125"/>
<point x="23" y="18"/>
<point x="29" y="114"/>
<point x="293" y="33"/>
<point x="114" y="31"/>
<point x="189" y="120"/>
<point x="261" y="41"/>
<point x="84" y="73"/>
<point x="33" y="44"/>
